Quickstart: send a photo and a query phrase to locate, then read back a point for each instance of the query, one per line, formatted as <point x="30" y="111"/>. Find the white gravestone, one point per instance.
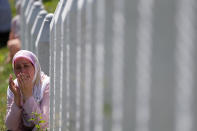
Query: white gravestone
<point x="35" y="29"/>
<point x="81" y="42"/>
<point x="57" y="62"/>
<point x="99" y="66"/>
<point x="73" y="63"/>
<point x="26" y="14"/>
<point x="66" y="64"/>
<point x="51" y="74"/>
<point x="42" y="44"/>
<point x="22" y="13"/>
<point x="37" y="7"/>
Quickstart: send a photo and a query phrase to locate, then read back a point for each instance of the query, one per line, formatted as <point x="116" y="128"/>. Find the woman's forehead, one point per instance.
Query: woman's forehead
<point x="22" y="60"/>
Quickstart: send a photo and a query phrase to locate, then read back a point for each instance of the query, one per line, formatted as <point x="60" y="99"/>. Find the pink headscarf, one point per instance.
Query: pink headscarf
<point x="38" y="85"/>
<point x="32" y="58"/>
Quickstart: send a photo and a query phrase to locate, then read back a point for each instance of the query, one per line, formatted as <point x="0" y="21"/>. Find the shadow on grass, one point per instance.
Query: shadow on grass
<point x="46" y="0"/>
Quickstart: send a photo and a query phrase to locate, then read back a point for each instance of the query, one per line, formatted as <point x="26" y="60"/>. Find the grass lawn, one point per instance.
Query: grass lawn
<point x="50" y="5"/>
<point x="6" y="69"/>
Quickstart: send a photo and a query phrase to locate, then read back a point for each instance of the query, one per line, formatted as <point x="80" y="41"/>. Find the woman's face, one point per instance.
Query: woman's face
<point x="23" y="65"/>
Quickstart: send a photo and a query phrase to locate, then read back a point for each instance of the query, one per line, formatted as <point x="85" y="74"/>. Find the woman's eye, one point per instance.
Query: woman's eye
<point x="26" y="66"/>
<point x="18" y="68"/>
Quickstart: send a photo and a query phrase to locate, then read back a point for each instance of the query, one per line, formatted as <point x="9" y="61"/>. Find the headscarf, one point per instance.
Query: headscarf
<point x="39" y="86"/>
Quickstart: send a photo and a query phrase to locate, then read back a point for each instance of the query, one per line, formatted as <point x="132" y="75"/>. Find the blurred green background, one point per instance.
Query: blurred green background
<point x="6" y="69"/>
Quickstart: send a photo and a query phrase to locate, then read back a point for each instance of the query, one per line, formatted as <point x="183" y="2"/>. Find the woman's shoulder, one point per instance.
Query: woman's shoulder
<point x="45" y="81"/>
<point x="45" y="78"/>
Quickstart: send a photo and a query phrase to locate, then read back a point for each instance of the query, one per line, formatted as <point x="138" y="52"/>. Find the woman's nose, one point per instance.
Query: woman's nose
<point x="22" y="70"/>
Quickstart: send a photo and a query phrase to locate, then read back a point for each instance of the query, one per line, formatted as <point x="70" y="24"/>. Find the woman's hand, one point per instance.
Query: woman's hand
<point x="25" y="85"/>
<point x="16" y="91"/>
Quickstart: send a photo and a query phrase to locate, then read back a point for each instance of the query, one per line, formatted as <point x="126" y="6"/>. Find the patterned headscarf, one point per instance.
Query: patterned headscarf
<point x="37" y="89"/>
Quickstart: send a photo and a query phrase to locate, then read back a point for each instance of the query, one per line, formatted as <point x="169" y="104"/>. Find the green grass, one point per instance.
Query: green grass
<point x="5" y="70"/>
<point x="50" y="5"/>
<point x="12" y="6"/>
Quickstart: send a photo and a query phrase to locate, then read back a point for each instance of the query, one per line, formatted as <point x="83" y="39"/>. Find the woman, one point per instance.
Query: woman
<point x="28" y="93"/>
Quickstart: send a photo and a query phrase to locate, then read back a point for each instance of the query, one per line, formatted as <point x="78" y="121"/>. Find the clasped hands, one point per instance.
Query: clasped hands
<point x="25" y="86"/>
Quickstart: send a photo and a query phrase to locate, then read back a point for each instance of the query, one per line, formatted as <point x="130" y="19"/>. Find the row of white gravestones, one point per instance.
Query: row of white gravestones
<point x="116" y="65"/>
<point x="35" y="25"/>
